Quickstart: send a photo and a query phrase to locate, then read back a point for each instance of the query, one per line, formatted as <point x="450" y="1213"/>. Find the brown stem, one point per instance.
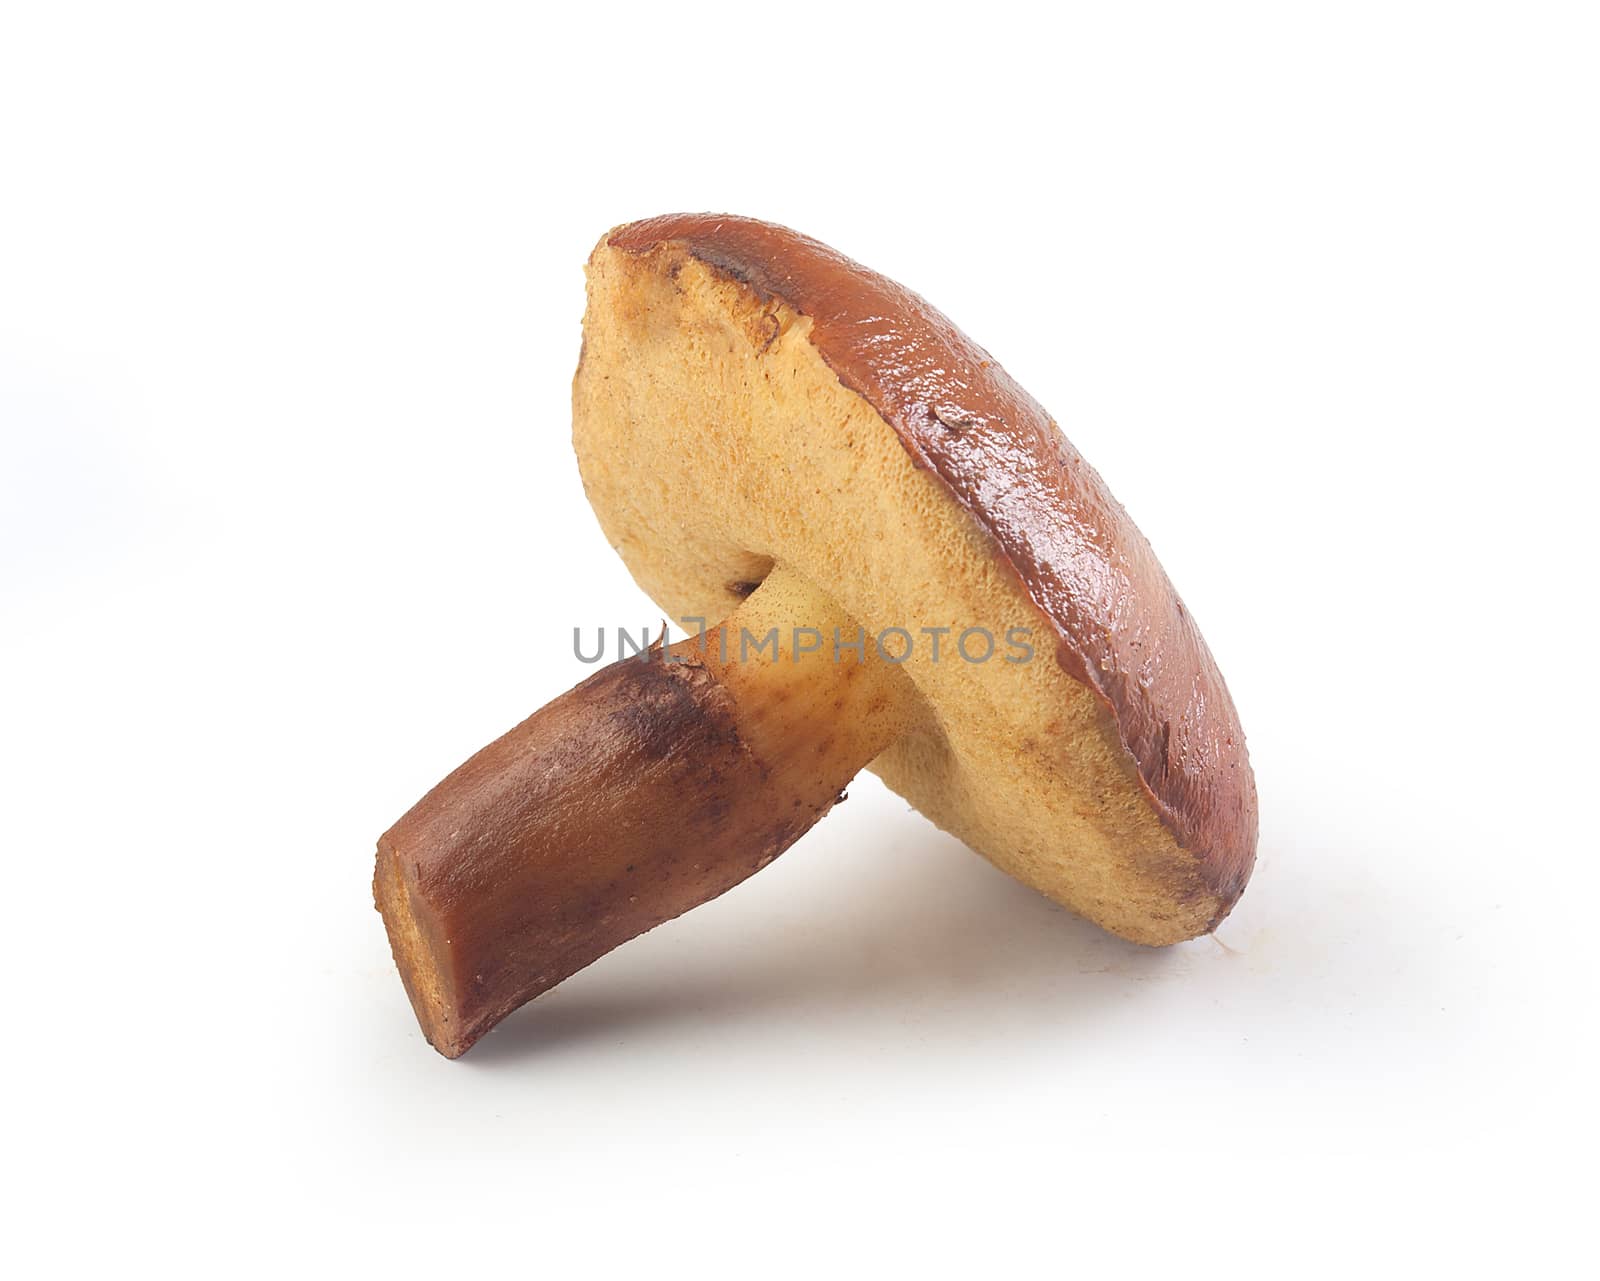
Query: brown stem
<point x="652" y="787"/>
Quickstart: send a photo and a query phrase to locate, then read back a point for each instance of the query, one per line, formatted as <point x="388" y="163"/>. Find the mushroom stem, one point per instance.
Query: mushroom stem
<point x="655" y="785"/>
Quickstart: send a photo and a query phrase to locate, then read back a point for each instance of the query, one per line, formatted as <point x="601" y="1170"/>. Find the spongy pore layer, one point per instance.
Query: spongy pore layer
<point x="714" y="440"/>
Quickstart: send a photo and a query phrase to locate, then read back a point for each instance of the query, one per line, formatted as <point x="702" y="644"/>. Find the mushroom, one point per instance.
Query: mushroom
<point x="914" y="571"/>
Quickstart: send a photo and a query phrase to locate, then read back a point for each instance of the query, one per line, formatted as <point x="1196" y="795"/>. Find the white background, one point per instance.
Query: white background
<point x="289" y="303"/>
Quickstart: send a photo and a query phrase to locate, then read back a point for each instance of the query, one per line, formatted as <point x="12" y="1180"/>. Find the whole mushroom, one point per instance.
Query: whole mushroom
<point x="913" y="570"/>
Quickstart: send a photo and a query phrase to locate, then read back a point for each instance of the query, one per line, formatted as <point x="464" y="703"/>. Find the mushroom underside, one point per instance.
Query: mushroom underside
<point x="714" y="441"/>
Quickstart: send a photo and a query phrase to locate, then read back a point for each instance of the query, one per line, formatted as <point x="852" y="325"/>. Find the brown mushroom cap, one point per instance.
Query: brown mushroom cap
<point x="747" y="397"/>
